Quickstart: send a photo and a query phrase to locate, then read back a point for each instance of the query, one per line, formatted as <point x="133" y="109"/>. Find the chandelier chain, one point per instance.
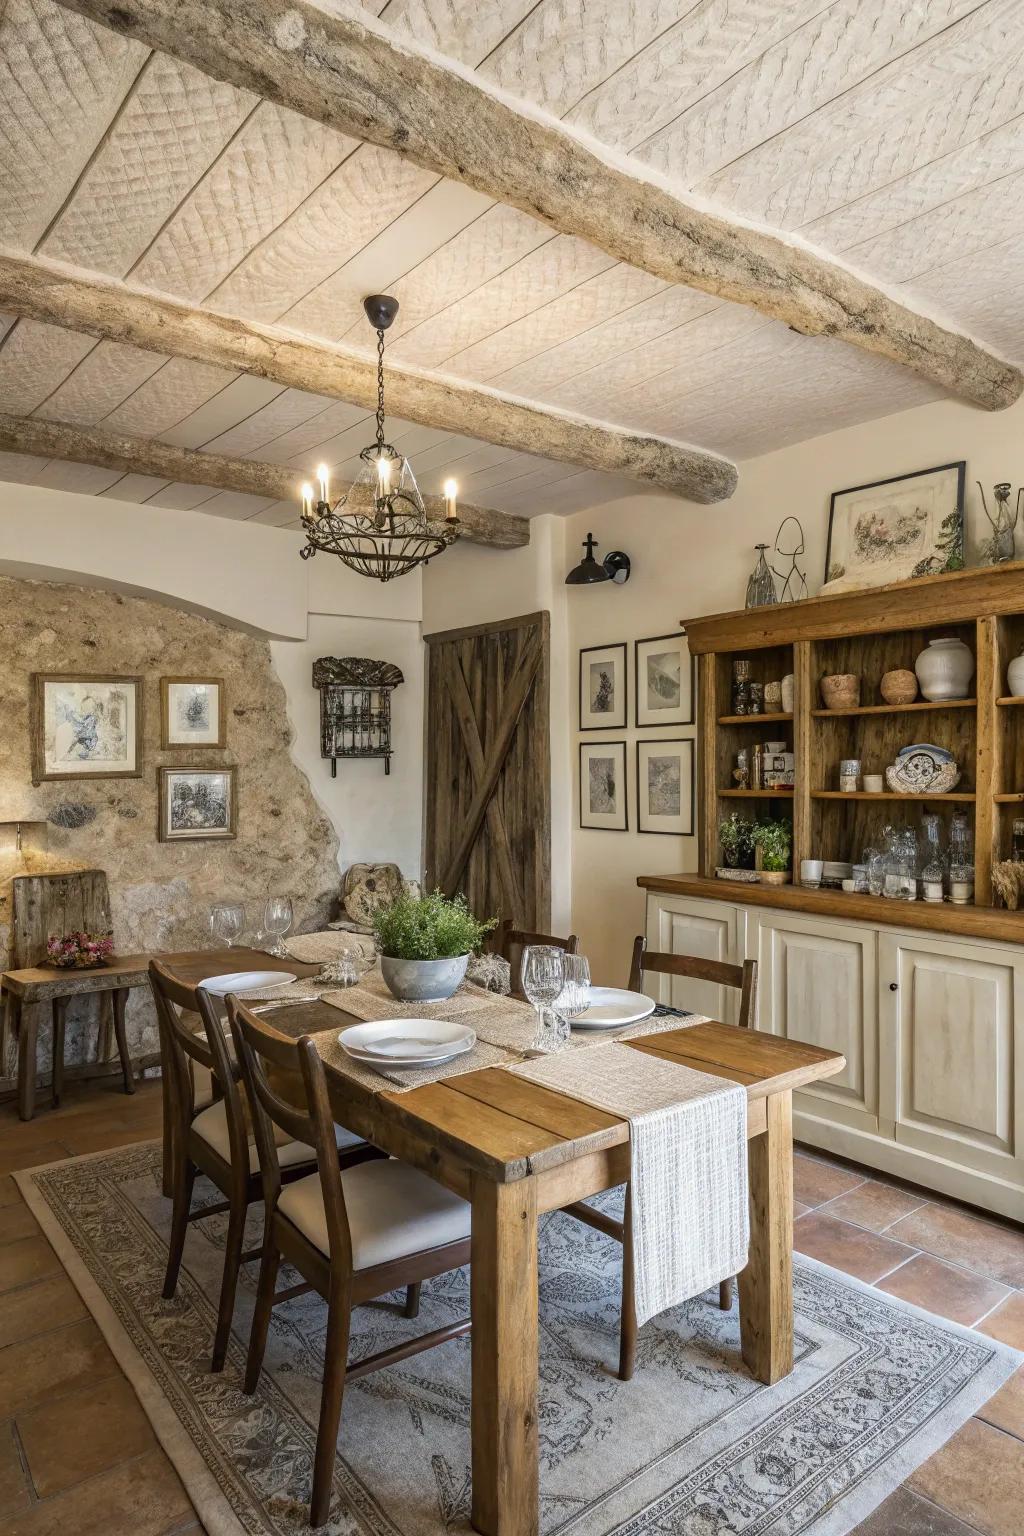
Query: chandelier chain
<point x="380" y="390"/>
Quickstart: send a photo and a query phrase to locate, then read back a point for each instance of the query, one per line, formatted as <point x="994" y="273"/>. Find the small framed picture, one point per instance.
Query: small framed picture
<point x="197" y="803"/>
<point x="664" y="787"/>
<point x="86" y="726"/>
<point x="192" y="712"/>
<point x="603" y="785"/>
<point x="664" y="681"/>
<point x="603" y="688"/>
<point x="891" y="530"/>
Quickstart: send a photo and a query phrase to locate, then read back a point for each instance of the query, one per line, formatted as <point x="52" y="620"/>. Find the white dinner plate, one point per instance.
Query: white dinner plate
<point x="406" y="1042"/>
<point x="611" y="1007"/>
<point x="246" y="981"/>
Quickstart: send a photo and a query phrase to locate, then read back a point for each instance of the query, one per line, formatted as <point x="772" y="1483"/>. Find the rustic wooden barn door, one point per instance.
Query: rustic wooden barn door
<point x="488" y="800"/>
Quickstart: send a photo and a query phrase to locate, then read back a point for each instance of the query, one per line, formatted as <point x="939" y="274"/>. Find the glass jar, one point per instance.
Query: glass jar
<point x="933" y="871"/>
<point x="961" y="861"/>
<point x="892" y="865"/>
<point x="1017" y="848"/>
<point x="908" y="865"/>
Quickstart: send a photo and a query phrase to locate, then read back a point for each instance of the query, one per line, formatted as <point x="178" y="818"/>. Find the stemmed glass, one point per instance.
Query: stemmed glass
<point x="542" y="977"/>
<point x="278" y="917"/>
<point x="574" y="997"/>
<point x="227" y="919"/>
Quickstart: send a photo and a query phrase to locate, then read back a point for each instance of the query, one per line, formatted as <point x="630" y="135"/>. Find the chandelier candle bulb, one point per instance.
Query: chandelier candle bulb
<point x="383" y="476"/>
<point x="321" y="474"/>
<point x="451" y="490"/>
<point x="307" y="502"/>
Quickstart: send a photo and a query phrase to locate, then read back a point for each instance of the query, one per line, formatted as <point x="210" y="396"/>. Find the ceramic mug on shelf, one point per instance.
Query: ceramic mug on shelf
<point x="849" y="775"/>
<point x="874" y="783"/>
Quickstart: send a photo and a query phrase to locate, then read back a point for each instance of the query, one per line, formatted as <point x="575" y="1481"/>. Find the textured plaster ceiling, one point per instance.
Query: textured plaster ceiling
<point x="890" y="134"/>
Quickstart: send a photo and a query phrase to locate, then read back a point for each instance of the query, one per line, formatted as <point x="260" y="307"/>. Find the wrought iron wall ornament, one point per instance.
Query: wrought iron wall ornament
<point x="794" y="582"/>
<point x="355" y="707"/>
<point x="380" y="526"/>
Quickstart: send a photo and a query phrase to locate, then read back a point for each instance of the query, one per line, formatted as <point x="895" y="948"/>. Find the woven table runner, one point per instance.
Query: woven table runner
<point x="688" y="1164"/>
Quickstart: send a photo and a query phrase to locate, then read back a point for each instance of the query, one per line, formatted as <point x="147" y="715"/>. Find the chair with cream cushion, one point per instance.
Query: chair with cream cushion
<point x="353" y="1234"/>
<point x="214" y="1138"/>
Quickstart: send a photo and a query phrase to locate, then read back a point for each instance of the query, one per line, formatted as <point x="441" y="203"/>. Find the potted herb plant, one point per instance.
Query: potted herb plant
<point x="774" y="843"/>
<point x="736" y="834"/>
<point x="425" y="943"/>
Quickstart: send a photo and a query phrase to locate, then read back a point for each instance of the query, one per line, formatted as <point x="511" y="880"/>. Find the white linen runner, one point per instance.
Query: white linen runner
<point x="688" y="1164"/>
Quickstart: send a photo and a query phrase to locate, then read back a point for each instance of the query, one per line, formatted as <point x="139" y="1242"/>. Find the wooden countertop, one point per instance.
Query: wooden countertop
<point x="992" y="923"/>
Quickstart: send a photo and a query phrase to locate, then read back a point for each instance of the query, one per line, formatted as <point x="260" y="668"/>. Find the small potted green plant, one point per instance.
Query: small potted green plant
<point x="425" y="943"/>
<point x="736" y="834"/>
<point x="774" y="842"/>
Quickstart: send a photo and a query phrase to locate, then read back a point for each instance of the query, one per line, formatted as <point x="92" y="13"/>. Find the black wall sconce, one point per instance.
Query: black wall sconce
<point x="614" y="567"/>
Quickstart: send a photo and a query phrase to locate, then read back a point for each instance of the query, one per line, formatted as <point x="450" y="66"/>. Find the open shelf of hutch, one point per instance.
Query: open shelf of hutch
<point x="869" y="633"/>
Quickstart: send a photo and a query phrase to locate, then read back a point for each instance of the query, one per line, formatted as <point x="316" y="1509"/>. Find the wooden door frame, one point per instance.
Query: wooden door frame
<point x="541" y="621"/>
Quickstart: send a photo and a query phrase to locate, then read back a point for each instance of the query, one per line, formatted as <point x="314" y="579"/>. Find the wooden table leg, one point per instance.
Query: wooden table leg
<point x="503" y="1283"/>
<point x="59" y="1008"/>
<point x="119" y="999"/>
<point x="766" y="1285"/>
<point x="24" y="1021"/>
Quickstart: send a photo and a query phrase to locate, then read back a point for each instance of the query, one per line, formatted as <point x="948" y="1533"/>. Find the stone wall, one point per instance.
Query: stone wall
<point x="161" y="893"/>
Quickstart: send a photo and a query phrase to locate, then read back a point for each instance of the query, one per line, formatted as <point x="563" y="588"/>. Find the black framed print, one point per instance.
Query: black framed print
<point x="603" y="688"/>
<point x="663" y="691"/>
<point x="665" y="787"/>
<point x="603" y="786"/>
<point x="892" y="530"/>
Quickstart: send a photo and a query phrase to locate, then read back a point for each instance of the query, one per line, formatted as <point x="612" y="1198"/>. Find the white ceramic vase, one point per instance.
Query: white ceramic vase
<point x="944" y="669"/>
<point x="1015" y="676"/>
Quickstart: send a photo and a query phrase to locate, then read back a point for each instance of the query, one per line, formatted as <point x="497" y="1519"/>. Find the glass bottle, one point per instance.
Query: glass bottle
<point x="933" y="870"/>
<point x="1017" y="849"/>
<point x="761" y="584"/>
<point x="961" y="861"/>
<point x="874" y="862"/>
<point x="891" y="879"/>
<point x="908" y="865"/>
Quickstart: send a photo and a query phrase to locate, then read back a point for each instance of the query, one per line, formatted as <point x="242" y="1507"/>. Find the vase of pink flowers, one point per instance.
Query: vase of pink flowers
<point x="79" y="951"/>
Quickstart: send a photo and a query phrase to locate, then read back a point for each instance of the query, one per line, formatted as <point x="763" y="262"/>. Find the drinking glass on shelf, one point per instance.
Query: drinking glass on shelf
<point x="278" y="917"/>
<point x="574" y="997"/>
<point x="542" y="977"/>
<point x="227" y="919"/>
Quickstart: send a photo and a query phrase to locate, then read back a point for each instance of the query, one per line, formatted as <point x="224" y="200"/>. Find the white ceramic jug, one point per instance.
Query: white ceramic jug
<point x="944" y="669"/>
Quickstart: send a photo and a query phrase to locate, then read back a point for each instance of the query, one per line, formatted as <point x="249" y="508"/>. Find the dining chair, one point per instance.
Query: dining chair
<point x="510" y="941"/>
<point x="722" y="974"/>
<point x="214" y="1138"/>
<point x="353" y="1234"/>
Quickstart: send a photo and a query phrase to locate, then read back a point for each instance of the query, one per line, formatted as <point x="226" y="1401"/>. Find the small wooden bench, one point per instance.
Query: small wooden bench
<point x="47" y="984"/>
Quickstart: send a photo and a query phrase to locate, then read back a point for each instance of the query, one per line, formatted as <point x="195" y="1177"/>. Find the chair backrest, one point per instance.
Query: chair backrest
<point x="259" y="1046"/>
<point x="180" y="1045"/>
<point x="719" y="972"/>
<point x="510" y="941"/>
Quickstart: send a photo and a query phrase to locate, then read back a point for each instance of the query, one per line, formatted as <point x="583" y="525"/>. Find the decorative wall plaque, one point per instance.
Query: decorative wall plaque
<point x="355" y="707"/>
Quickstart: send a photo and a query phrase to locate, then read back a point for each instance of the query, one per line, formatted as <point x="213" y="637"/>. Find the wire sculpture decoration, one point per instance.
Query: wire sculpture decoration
<point x="794" y="582"/>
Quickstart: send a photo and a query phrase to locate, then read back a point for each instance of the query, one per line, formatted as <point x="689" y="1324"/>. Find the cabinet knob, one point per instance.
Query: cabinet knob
<point x="893" y="986"/>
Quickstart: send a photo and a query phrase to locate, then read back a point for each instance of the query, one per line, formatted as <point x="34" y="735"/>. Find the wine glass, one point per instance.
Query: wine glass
<point x="543" y="974"/>
<point x="278" y="918"/>
<point x="574" y="997"/>
<point x="227" y="919"/>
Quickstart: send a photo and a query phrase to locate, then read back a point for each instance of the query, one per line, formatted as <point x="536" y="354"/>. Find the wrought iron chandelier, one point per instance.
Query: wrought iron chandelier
<point x="380" y="527"/>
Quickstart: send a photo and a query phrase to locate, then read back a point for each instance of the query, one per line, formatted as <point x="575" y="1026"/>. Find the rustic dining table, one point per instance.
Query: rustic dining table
<point x="515" y="1150"/>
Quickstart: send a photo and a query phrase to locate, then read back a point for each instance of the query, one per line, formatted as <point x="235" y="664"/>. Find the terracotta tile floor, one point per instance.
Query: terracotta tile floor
<point x="78" y="1458"/>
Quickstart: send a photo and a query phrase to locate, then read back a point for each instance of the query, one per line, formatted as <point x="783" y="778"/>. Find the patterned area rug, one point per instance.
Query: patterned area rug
<point x="691" y="1447"/>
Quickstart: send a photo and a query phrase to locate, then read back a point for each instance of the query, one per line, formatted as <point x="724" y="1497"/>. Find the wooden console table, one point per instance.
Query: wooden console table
<point x="45" y="984"/>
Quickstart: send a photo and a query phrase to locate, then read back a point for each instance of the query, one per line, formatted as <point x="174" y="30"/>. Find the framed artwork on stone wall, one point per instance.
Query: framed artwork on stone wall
<point x="86" y="726"/>
<point x="193" y="712"/>
<point x="603" y="786"/>
<point x="664" y="787"/>
<point x="197" y="804"/>
<point x="664" y="681"/>
<point x="603" y="688"/>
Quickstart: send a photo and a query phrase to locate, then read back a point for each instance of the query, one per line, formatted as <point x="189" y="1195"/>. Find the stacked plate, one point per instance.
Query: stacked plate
<point x="611" y="1008"/>
<point x="406" y="1042"/>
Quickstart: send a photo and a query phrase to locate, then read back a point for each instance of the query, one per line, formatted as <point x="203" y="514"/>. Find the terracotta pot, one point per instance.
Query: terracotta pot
<point x="841" y="690"/>
<point x="899" y="687"/>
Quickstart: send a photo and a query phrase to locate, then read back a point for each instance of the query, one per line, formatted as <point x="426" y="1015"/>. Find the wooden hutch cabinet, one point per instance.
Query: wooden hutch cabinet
<point x="925" y="1000"/>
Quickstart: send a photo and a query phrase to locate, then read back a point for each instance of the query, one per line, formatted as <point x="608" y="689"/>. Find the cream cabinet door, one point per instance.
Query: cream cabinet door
<point x="953" y="1027"/>
<point x="817" y="982"/>
<point x="712" y="930"/>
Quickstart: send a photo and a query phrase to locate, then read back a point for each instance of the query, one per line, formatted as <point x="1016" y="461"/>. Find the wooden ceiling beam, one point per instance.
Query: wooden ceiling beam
<point x="150" y="456"/>
<point x="50" y="291"/>
<point x="349" y="72"/>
